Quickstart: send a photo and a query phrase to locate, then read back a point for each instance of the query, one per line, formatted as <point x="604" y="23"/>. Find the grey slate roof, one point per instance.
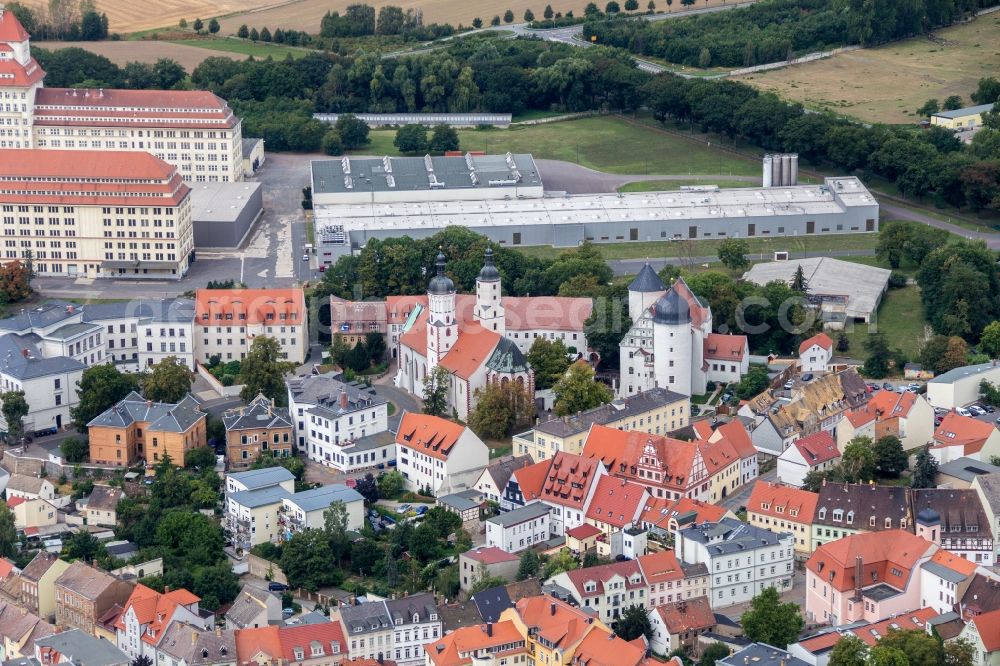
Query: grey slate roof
<point x="366" y="618"/>
<point x="43" y="316"/>
<point x="369" y="442"/>
<point x="38" y="566"/>
<point x="967" y="469"/>
<point x="460" y="502"/>
<point x="619" y="409"/>
<point x="507" y="358"/>
<point x="501" y="470"/>
<point x="990" y="485"/>
<point x="321" y="498"/>
<point x="82" y="649"/>
<point x="960" y="510"/>
<point x="517" y="516"/>
<point x="420" y="605"/>
<point x="324" y="391"/>
<point x="864" y="501"/>
<point x="21" y="359"/>
<point x="261" y="478"/>
<point x="161" y="416"/>
<point x="736" y="536"/>
<point x="104" y="498"/>
<point x="260" y="496"/>
<point x="761" y="654"/>
<point x="166" y="311"/>
<point x="647" y="281"/>
<point x="259" y="413"/>
<point x="25" y="483"/>
<point x="251" y="602"/>
<point x="492" y="602"/>
<point x="942" y="572"/>
<point x="207" y="648"/>
<point x="71" y="331"/>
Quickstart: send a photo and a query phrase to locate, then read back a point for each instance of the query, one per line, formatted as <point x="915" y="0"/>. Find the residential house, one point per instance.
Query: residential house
<point x="606" y="590"/>
<point x="369" y="627"/>
<point x="786" y="509"/>
<point x="84" y="593"/>
<point x="954" y="520"/>
<point x="254" y="608"/>
<point x="37" y="588"/>
<point x="906" y="415"/>
<point x="959" y="436"/>
<point x="844" y="509"/>
<point x="981" y="596"/>
<point x="146" y="615"/>
<point x="32" y="514"/>
<point x="868" y="576"/>
<point x="944" y="578"/>
<point x="30" y="487"/>
<point x="486" y="562"/>
<point x="742" y="560"/>
<point x="582" y="538"/>
<point x="815" y="353"/>
<point x="760" y="654"/>
<point x="143" y="332"/>
<point x="228" y="320"/>
<point x="136" y="429"/>
<point x="656" y="411"/>
<point x="817" y="452"/>
<point x="253" y="500"/>
<point x="983" y="631"/>
<point x="466" y="504"/>
<point x="988" y="489"/>
<point x="101" y="508"/>
<point x="782" y="416"/>
<point x="615" y="507"/>
<point x="19" y="629"/>
<point x="961" y="472"/>
<point x="736" y="433"/>
<point x="186" y="645"/>
<point x="257" y="428"/>
<point x="79" y="647"/>
<point x="489" y="644"/>
<point x="678" y="625"/>
<point x="255" y="479"/>
<point x="415" y="621"/>
<point x="304" y="510"/>
<point x="665" y="517"/>
<point x="435" y="453"/>
<point x="339" y="425"/>
<point x="352" y="321"/>
<point x="668" y="579"/>
<point x="566" y="483"/>
<point x="816" y="650"/>
<point x="598" y="648"/>
<point x="493" y="481"/>
<point x="514" y="531"/>
<point x="311" y="644"/>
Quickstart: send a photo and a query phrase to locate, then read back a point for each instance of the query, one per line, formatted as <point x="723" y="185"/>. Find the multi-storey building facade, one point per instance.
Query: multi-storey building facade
<point x="415" y="622"/>
<point x="194" y="130"/>
<point x="85" y="593"/>
<point x="227" y="321"/>
<point x="774" y="507"/>
<point x="146" y="615"/>
<point x="141" y="333"/>
<point x="259" y="427"/>
<point x="36" y="591"/>
<point x="96" y="214"/>
<point x="136" y="429"/>
<point x="438" y="454"/>
<point x="252" y="504"/>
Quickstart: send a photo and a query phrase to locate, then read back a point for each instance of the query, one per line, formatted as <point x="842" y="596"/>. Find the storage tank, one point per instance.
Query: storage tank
<point x="767" y="170"/>
<point x="786" y="170"/>
<point x="795" y="169"/>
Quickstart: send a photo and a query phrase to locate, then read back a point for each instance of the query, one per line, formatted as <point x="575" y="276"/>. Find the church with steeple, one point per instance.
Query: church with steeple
<point x="671" y="344"/>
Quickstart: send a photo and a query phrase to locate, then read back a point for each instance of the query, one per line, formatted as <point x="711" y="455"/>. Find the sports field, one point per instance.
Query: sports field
<point x="887" y="84"/>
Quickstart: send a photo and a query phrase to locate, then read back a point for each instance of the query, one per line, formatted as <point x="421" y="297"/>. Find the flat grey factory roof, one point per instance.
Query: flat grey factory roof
<point x="735" y="203"/>
<point x="259" y="478"/>
<point x="863" y="285"/>
<point x="220" y="202"/>
<point x="953" y="376"/>
<point x="411" y="174"/>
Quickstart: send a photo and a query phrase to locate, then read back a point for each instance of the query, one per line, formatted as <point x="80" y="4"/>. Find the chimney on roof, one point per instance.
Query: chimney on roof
<point x="24" y="353"/>
<point x="489" y="628"/>
<point x="194" y="636"/>
<point x="552" y="608"/>
<point x="343" y="399"/>
<point x="70" y="309"/>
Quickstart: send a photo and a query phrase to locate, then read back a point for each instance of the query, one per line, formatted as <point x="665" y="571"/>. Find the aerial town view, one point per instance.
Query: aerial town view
<point x="451" y="333"/>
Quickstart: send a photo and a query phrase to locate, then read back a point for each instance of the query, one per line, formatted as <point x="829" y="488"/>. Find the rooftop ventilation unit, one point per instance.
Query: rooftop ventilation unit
<point x="429" y="164"/>
<point x="387" y="164"/>
<point x="348" y="182"/>
<point x="469" y="162"/>
<point x="345" y="165"/>
<point x="510" y="160"/>
<point x="473" y="177"/>
<point x="390" y="181"/>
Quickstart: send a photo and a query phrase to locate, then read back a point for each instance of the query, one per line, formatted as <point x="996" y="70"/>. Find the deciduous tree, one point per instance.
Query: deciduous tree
<point x="14" y="409"/>
<point x="213" y="26"/>
<point x="528" y="565"/>
<point x="578" y="391"/>
<point x="74" y="449"/>
<point x="436" y="391"/>
<point x="634" y="623"/>
<point x="100" y="387"/>
<point x="501" y="408"/>
<point x="15" y="282"/>
<point x="549" y="359"/>
<point x="770" y="621"/>
<point x="8" y="532"/>
<point x="411" y="139"/>
<point x="890" y="458"/>
<point x="443" y="139"/>
<point x="352" y="130"/>
<point x="733" y="254"/>
<point x="263" y="371"/>
<point x="167" y="381"/>
<point x="857" y="463"/>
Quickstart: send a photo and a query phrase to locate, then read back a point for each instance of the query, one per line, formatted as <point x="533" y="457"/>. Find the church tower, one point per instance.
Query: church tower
<point x="20" y="78"/>
<point x="442" y="329"/>
<point x="672" y="343"/>
<point x="489" y="310"/>
<point x="645" y="289"/>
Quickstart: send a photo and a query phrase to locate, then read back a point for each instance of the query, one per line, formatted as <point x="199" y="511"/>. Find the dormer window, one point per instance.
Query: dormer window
<point x="850" y="516"/>
<point x="416" y="617"/>
<point x="765" y="506"/>
<point x="434" y="617"/>
<point x="399" y="620"/>
<point x="317" y="651"/>
<point x="888" y="523"/>
<point x="299" y="654"/>
<point x="838" y="515"/>
<point x="779" y="509"/>
<point x="822" y="513"/>
<point x="871" y="521"/>
<point x="335" y="648"/>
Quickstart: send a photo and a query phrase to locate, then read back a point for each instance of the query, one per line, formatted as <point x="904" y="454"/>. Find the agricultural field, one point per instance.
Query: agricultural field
<point x="887" y="84"/>
<point x="306" y="14"/>
<point x="188" y="52"/>
<point x="603" y="143"/>
<point x="130" y="16"/>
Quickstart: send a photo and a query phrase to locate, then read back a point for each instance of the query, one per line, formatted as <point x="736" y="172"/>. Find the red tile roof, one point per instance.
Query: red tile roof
<point x="817" y="448"/>
<point x="784" y="502"/>
<point x="698" y="312"/>
<point x="584" y="531"/>
<point x="721" y="347"/>
<point x="693" y="614"/>
<point x="490" y="555"/>
<point x="821" y="339"/>
<point x="6" y="566"/>
<point x="718" y="455"/>
<point x="258" y="641"/>
<point x="564" y="479"/>
<point x="456" y="648"/>
<point x="881" y="553"/>
<point x="154" y="610"/>
<point x="659" y="511"/>
<point x="143" y="108"/>
<point x="601" y="648"/>
<point x="11" y="29"/>
<point x="956" y="563"/>
<point x="556" y="621"/>
<point x="738" y="437"/>
<point x="250" y="306"/>
<point x="15" y="501"/>
<point x="604" y="573"/>
<point x="471" y="351"/>
<point x="889" y="403"/>
<point x="988" y="626"/>
<point x="430" y="435"/>
<point x="660" y="567"/>
<point x="871" y="633"/>
<point x="616" y="502"/>
<point x="620" y="451"/>
<point x="965" y="431"/>
<point x="14" y="74"/>
<point x="300" y="638"/>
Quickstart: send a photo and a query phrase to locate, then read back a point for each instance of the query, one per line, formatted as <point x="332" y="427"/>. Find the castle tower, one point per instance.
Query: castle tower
<point x="489" y="310"/>
<point x="442" y="329"/>
<point x="672" y="345"/>
<point x="22" y="77"/>
<point x="646" y="289"/>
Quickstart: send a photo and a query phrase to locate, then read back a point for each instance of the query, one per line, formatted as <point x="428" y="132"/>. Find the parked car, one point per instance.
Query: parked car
<point x="789" y="384"/>
<point x="276" y="587"/>
<point x="403" y="509"/>
<point x="421" y="510"/>
<point x="807" y="377"/>
<point x="962" y="411"/>
<point x="887" y="386"/>
<point x="989" y="409"/>
<point x="977" y="410"/>
<point x="940" y="410"/>
<point x="726" y="397"/>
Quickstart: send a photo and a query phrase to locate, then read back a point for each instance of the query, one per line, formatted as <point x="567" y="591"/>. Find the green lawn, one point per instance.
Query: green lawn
<point x="604" y="143"/>
<point x="900" y="317"/>
<point x="760" y="248"/>
<point x="257" y="50"/>
<point x="659" y="185"/>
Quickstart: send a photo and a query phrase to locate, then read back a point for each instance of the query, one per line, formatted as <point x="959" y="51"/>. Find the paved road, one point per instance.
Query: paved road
<point x="632" y="266"/>
<point x="896" y="211"/>
<point x="739" y="498"/>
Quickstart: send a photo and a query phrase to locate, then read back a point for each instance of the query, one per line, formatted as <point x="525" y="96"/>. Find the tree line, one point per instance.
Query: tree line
<point x="71" y="20"/>
<point x="777" y="30"/>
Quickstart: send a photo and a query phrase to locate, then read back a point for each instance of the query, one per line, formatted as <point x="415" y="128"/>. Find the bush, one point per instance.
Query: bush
<point x="897" y="280"/>
<point x="332" y="144"/>
<point x="74" y="450"/>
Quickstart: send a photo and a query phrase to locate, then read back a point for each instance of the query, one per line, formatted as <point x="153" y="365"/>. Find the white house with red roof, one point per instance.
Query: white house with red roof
<point x="616" y="504"/>
<point x="816" y="649"/>
<point x="435" y="453"/>
<point x="671" y="343"/>
<point x="566" y="483"/>
<point x="813" y="453"/>
<point x="907" y="416"/>
<point x="815" y="353"/>
<point x="474" y="350"/>
<point x="944" y="578"/>
<point x="959" y="436"/>
<point x="147" y="615"/>
<point x="983" y="631"/>
<point x="607" y="589"/>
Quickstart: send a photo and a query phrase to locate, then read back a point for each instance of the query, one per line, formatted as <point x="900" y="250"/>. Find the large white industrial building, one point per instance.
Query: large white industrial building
<point x="503" y="198"/>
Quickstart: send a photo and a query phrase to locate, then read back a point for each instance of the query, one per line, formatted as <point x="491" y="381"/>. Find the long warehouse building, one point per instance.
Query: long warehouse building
<point x="347" y="218"/>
